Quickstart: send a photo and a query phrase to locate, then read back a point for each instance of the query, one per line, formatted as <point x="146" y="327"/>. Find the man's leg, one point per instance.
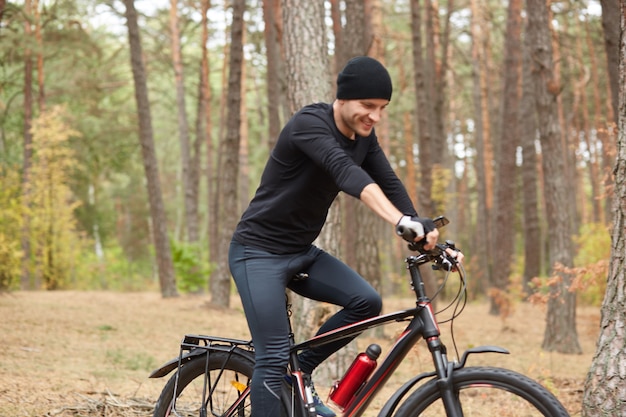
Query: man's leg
<point x="332" y="281"/>
<point x="261" y="281"/>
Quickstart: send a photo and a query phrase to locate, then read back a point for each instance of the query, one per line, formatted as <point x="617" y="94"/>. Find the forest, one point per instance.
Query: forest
<point x="134" y="133"/>
<point x="77" y="206"/>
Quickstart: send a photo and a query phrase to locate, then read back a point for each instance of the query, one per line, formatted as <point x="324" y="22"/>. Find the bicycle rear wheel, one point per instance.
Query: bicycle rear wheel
<point x="486" y="391"/>
<point x="223" y="391"/>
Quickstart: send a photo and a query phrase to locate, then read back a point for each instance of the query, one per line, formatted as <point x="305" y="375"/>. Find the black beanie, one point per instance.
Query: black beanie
<point x="364" y="77"/>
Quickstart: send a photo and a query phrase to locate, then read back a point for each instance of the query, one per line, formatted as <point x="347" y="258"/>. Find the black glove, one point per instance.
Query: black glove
<point x="411" y="227"/>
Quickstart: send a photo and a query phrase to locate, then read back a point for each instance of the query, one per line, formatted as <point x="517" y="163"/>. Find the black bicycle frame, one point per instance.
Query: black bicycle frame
<point x="422" y="325"/>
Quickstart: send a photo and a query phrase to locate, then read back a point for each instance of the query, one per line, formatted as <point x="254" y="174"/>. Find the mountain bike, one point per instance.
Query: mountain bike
<point x="213" y="373"/>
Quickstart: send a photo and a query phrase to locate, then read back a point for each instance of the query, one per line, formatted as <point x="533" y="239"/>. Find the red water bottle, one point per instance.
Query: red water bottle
<point x="362" y="367"/>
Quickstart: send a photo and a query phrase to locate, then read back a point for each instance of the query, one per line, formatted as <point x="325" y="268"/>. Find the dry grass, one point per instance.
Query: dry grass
<point x="89" y="353"/>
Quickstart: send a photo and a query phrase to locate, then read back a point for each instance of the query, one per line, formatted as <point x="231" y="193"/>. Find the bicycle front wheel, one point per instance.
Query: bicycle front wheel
<point x="219" y="384"/>
<point x="486" y="391"/>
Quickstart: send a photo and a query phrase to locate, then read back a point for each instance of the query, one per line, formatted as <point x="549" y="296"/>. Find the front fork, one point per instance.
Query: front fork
<point x="443" y="368"/>
<point x="445" y="378"/>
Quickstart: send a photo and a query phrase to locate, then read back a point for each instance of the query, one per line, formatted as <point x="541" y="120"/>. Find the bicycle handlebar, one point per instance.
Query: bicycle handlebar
<point x="438" y="255"/>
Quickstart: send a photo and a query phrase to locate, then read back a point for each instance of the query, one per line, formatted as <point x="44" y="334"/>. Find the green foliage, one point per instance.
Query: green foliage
<point x="590" y="271"/>
<point x="441" y="178"/>
<point x="114" y="271"/>
<point x="10" y="226"/>
<point x="49" y="203"/>
<point x="9" y="263"/>
<point x="591" y="261"/>
<point x="191" y="266"/>
<point x="593" y="244"/>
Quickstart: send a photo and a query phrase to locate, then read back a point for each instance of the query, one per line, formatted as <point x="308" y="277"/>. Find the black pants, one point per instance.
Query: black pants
<point x="261" y="278"/>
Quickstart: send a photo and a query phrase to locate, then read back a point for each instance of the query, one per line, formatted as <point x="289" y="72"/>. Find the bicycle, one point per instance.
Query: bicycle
<point x="213" y="373"/>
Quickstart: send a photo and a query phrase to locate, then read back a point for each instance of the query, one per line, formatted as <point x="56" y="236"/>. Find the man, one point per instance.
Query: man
<point x="323" y="149"/>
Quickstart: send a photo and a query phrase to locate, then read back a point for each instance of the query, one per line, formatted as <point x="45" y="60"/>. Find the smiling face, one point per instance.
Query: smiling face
<point x="358" y="117"/>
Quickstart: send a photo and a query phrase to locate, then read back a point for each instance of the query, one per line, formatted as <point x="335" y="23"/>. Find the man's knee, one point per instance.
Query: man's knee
<point x="369" y="305"/>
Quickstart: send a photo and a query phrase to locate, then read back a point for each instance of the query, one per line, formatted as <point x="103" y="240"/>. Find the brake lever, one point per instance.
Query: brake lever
<point x="446" y="260"/>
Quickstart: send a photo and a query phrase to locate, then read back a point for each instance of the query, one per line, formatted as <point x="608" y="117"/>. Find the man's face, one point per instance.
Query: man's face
<point x="359" y="116"/>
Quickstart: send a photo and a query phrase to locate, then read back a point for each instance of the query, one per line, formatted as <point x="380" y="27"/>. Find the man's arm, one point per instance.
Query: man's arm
<point x="374" y="198"/>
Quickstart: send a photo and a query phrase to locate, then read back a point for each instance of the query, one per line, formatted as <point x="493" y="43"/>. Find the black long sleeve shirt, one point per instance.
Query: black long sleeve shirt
<point x="311" y="162"/>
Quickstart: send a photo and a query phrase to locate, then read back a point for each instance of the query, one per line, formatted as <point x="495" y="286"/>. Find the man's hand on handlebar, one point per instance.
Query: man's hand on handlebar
<point x="414" y="229"/>
<point x="457" y="255"/>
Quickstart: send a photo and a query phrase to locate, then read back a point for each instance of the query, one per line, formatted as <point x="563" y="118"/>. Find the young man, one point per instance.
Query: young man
<point x="323" y="149"/>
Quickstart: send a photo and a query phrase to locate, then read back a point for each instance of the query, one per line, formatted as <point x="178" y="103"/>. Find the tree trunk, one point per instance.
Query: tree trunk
<point x="528" y="130"/>
<point x="306" y="53"/>
<point x="336" y="16"/>
<point x="605" y="387"/>
<point x="602" y="124"/>
<point x="28" y="152"/>
<point x="41" y="96"/>
<point x="203" y="121"/>
<point x="211" y="194"/>
<point x="571" y="177"/>
<point x="157" y="211"/>
<point x="229" y="161"/>
<point x="484" y="155"/>
<point x="272" y="16"/>
<point x="191" y="211"/>
<point x="611" y="26"/>
<point x="582" y="128"/>
<point x="422" y="110"/>
<point x="437" y="41"/>
<point x="503" y="230"/>
<point x="560" y="333"/>
<point x="244" y="145"/>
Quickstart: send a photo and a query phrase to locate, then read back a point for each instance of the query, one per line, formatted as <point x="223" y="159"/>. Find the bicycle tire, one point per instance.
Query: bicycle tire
<point x="486" y="391"/>
<point x="229" y="375"/>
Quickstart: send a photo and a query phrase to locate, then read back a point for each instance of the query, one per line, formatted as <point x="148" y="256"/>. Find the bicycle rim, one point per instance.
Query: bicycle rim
<point x="223" y="392"/>
<point x="485" y="391"/>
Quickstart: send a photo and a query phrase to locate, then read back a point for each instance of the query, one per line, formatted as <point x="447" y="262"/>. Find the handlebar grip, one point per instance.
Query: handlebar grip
<point x="406" y="233"/>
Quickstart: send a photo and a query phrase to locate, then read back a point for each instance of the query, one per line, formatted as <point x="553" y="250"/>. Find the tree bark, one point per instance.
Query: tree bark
<point x="422" y="111"/>
<point x="602" y="122"/>
<point x="568" y="144"/>
<point x="203" y="121"/>
<point x="272" y="16"/>
<point x="605" y="386"/>
<point x="503" y="230"/>
<point x="560" y="333"/>
<point x="159" y="221"/>
<point x="611" y="26"/>
<point x="191" y="211"/>
<point x="530" y="207"/>
<point x="482" y="140"/>
<point x="27" y="152"/>
<point x="306" y="53"/>
<point x="582" y="128"/>
<point x="229" y="162"/>
<point x="211" y="194"/>
<point x="41" y="95"/>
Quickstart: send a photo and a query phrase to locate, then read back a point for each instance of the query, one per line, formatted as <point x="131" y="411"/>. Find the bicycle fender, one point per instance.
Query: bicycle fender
<point x="479" y="349"/>
<point x="393" y="401"/>
<point x="172" y="364"/>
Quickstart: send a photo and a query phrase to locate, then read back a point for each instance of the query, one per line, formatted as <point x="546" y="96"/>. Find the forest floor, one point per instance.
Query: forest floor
<point x="75" y="353"/>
